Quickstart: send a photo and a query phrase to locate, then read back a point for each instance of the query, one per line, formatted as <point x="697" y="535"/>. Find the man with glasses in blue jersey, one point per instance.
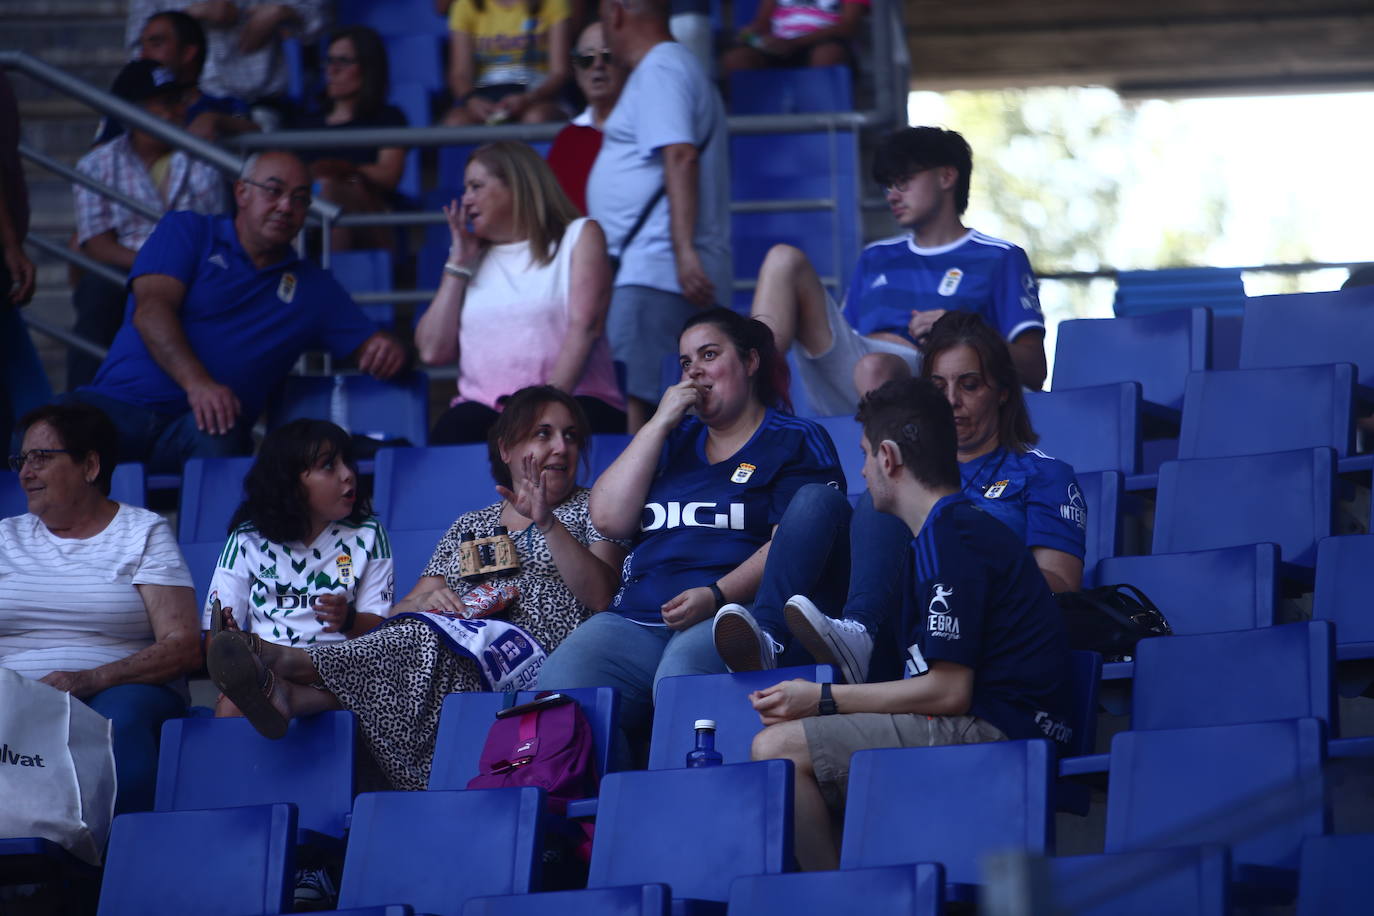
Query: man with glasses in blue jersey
<point x="220" y="309"/>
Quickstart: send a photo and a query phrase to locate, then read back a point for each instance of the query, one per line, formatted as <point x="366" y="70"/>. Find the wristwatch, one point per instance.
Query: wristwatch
<point x="827" y="705"/>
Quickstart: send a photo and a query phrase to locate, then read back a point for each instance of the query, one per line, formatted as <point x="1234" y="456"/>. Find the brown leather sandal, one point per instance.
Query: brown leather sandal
<point x="235" y="664"/>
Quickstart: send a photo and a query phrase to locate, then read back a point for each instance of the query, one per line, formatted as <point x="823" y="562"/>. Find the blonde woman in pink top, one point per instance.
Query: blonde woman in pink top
<point x="523" y="299"/>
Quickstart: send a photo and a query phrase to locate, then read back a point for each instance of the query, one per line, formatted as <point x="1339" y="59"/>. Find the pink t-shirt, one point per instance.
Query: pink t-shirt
<point x="514" y="321"/>
<point x="798" y="17"/>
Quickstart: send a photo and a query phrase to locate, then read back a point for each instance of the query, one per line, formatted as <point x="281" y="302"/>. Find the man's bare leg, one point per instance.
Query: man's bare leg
<point x="877" y="369"/>
<point x="790" y="299"/>
<point x="814" y="837"/>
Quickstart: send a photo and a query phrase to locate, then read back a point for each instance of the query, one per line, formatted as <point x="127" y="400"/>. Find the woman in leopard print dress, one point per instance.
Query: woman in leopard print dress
<point x="396" y="677"/>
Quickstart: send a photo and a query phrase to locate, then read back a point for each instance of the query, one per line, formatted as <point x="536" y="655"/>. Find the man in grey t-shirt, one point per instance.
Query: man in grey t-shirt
<point x="665" y="153"/>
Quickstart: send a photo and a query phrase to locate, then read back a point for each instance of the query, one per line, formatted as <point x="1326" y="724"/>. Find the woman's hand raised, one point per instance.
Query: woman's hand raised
<point x="531" y="495"/>
<point x="465" y="249"/>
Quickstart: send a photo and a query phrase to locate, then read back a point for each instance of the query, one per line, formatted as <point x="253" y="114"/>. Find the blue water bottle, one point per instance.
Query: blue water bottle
<point x="705" y="753"/>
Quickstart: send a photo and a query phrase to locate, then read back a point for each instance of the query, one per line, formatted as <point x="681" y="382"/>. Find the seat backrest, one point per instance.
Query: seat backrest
<point x="845" y="433"/>
<point x="412" y="97"/>
<point x="951" y="805"/>
<point x="129" y="484"/>
<point x="434" y="850"/>
<point x="1156" y="350"/>
<point x="680" y="701"/>
<point x="1334" y="878"/>
<point x="1284" y="498"/>
<point x="411" y="551"/>
<point x="632" y="900"/>
<point x="1278" y="672"/>
<point x="1140" y="292"/>
<point x="1086" y="675"/>
<point x="393" y="409"/>
<point x="201" y="559"/>
<point x="1101" y="491"/>
<point x="915" y="890"/>
<point x="601" y="452"/>
<point x="466" y="717"/>
<point x="695" y="830"/>
<point x="1093" y="429"/>
<point x="13" y="500"/>
<point x="395" y="17"/>
<point x="430" y="487"/>
<point x="791" y="90"/>
<point x="1345" y="574"/>
<point x="219" y="861"/>
<point x="216" y="763"/>
<point x="211" y="489"/>
<point x="1204" y="591"/>
<point x="415" y="59"/>
<point x="1307" y="329"/>
<point x="1189" y="881"/>
<point x="1252" y="411"/>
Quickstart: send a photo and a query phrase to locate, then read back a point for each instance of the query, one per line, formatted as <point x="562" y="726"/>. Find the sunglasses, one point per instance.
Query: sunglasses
<point x="588" y="60"/>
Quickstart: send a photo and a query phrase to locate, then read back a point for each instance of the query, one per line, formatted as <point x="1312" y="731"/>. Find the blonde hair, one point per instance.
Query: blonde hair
<point x="540" y="211"/>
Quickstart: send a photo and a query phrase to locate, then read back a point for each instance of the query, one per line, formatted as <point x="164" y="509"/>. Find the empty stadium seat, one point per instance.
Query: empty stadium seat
<point x="913" y="890"/>
<point x="1345" y="578"/>
<point x="1284" y="498"/>
<point x="695" y="830"/>
<point x="845" y="433"/>
<point x="601" y="452"/>
<point x="1101" y="494"/>
<point x="1189" y="881"/>
<point x="1307" y="329"/>
<point x="411" y="550"/>
<point x="632" y="900"/>
<point x="434" y="850"/>
<point x="1204" y="591"/>
<point x="1094" y="429"/>
<point x="218" y="763"/>
<point x="201" y="558"/>
<point x="430" y="487"/>
<point x="467" y="717"/>
<point x="211" y="489"/>
<point x="680" y="701"/>
<point x="791" y="90"/>
<point x="951" y="805"/>
<point x="1257" y="788"/>
<point x="230" y="861"/>
<point x="1156" y="350"/>
<point x="1143" y="292"/>
<point x="366" y="270"/>
<point x="394" y="409"/>
<point x="1334" y="877"/>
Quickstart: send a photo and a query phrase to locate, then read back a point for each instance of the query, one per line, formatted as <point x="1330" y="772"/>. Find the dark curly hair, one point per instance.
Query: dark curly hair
<point x="274" y="501"/>
<point x="773" y="381"/>
<point x="519" y="413"/>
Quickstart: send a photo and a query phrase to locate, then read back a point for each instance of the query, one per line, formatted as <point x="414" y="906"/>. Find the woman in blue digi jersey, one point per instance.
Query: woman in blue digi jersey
<point x="701" y="488"/>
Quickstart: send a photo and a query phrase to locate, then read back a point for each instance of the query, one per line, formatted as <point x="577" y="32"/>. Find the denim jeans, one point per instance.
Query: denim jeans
<point x="164" y="441"/>
<point x="137" y="712"/>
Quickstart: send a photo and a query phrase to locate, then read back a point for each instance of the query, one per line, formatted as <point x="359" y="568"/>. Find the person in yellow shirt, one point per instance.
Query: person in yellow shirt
<point x="508" y="61"/>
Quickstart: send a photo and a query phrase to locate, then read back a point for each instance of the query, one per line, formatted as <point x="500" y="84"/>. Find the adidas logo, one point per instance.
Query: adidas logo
<point x="881" y="280"/>
<point x="267" y="572"/>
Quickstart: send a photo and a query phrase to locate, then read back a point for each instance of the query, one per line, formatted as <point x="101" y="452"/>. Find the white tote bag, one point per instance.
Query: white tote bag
<point x="57" y="774"/>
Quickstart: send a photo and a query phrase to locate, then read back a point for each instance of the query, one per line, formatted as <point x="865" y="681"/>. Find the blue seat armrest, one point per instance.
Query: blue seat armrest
<point x="582" y="809"/>
<point x="1142" y="483"/>
<point x="1118" y="671"/>
<point x="1355" y="464"/>
<point x="1088" y="765"/>
<point x="1350" y="748"/>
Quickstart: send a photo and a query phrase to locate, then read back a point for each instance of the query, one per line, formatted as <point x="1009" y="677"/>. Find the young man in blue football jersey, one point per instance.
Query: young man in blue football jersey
<point x="902" y="285"/>
<point x="985" y="651"/>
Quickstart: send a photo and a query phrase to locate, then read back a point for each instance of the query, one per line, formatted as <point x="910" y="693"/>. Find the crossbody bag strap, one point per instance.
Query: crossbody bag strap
<point x="653" y="201"/>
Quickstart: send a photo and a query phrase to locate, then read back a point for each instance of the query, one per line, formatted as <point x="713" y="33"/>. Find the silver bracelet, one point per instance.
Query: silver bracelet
<point x="458" y="270"/>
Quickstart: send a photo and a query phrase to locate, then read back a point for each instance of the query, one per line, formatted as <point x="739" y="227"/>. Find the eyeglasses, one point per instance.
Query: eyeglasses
<point x="38" y="457"/>
<point x="339" y="61"/>
<point x="588" y="60"/>
<point x="299" y="199"/>
<point x="902" y="184"/>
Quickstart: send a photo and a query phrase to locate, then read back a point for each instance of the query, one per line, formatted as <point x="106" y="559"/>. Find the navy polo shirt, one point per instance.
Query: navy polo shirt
<point x="981" y="601"/>
<point x="246" y="325"/>
<point x="1034" y="495"/>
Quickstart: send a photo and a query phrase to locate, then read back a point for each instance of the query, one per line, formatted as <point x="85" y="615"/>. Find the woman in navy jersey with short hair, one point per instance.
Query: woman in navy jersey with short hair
<point x="701" y="487"/>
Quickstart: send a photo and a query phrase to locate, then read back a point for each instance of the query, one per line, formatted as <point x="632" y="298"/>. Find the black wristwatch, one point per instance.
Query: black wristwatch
<point x="827" y="705"/>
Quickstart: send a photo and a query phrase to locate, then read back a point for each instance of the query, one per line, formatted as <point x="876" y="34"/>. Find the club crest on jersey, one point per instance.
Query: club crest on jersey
<point x="345" y="564"/>
<point x="286" y="290"/>
<point x="996" y="489"/>
<point x="743" y="473"/>
<point x="950" y="282"/>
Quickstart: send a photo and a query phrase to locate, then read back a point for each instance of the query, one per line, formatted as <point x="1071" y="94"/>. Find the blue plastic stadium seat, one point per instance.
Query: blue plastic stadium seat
<point x="951" y="805"/>
<point x="1093" y="429"/>
<point x="845" y="433"/>
<point x="218" y="763"/>
<point x="211" y="489"/>
<point x="723" y="697"/>
<point x="1284" y="498"/>
<point x="467" y="717"/>
<point x="417" y="59"/>
<point x="1189" y="881"/>
<point x="1345" y="578"/>
<point x="1101" y="493"/>
<point x="695" y="830"/>
<point x="1142" y="292"/>
<point x="1334" y="877"/>
<point x="366" y="270"/>
<point x="1252" y="411"/>
<point x="632" y="900"/>
<point x="413" y="100"/>
<point x="430" y="487"/>
<point x="411" y="550"/>
<point x="453" y="160"/>
<point x="201" y="558"/>
<point x="395" y="17"/>
<point x="1256" y="787"/>
<point x="601" y="453"/>
<point x="13" y="500"/>
<point x="1156" y="350"/>
<point x="393" y="409"/>
<point x="794" y="90"/>
<point x="129" y="484"/>
<point x="1307" y="329"/>
<point x="914" y="890"/>
<point x="1205" y="591"/>
<point x="434" y="850"/>
<point x="230" y="861"/>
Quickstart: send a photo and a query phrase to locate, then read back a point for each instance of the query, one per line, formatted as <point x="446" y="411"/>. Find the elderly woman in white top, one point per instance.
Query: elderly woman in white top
<point x="95" y="598"/>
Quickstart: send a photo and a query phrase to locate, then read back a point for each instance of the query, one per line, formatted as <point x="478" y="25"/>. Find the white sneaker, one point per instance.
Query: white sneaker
<point x="834" y="641"/>
<point x="740" y="642"/>
<point x="314" y="890"/>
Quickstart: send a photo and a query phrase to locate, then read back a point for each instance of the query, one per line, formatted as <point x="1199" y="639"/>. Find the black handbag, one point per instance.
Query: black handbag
<point x="1110" y="620"/>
